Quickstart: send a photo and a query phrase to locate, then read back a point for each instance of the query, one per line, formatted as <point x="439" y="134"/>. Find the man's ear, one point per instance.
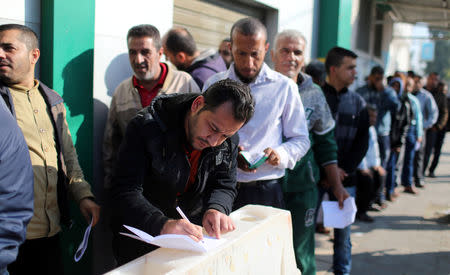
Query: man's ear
<point x="266" y="47"/>
<point x="181" y="57"/>
<point x="198" y="104"/>
<point x="34" y="56"/>
<point x="160" y="53"/>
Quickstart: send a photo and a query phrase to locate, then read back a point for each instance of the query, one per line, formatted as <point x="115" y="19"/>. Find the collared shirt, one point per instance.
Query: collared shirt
<point x="428" y="106"/>
<point x="33" y="117"/>
<point x="279" y="122"/>
<point x="146" y="95"/>
<point x="372" y="157"/>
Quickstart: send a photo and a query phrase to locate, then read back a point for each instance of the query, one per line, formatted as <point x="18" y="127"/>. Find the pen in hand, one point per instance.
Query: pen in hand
<point x="183" y="216"/>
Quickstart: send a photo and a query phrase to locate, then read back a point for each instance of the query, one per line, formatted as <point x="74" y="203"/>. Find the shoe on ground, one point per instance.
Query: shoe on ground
<point x="322" y="229"/>
<point x="431" y="175"/>
<point x="362" y="216"/>
<point x="420" y="184"/>
<point x="410" y="190"/>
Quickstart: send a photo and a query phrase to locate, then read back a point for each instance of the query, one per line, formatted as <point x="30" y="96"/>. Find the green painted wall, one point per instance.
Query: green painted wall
<point x="335" y="27"/>
<point x="67" y="62"/>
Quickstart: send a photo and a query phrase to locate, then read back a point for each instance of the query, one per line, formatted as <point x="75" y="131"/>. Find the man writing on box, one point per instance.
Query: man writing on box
<point x="180" y="151"/>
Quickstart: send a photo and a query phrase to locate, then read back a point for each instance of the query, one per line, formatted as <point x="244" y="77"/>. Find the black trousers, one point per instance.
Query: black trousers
<point x="263" y="192"/>
<point x="38" y="256"/>
<point x="437" y="149"/>
<point x="368" y="189"/>
<point x="429" y="145"/>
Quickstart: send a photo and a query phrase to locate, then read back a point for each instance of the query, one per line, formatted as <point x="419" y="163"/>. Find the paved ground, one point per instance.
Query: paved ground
<point x="411" y="236"/>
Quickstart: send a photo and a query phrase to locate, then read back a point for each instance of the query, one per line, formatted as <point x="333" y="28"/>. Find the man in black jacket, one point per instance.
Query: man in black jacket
<point x="180" y="151"/>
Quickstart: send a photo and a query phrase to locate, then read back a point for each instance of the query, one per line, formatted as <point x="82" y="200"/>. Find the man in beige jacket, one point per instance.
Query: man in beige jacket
<point x="151" y="78"/>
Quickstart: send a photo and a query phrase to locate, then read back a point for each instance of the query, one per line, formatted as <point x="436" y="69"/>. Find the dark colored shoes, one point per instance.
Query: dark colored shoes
<point x="420" y="184"/>
<point x="410" y="190"/>
<point x="431" y="175"/>
<point x="362" y="216"/>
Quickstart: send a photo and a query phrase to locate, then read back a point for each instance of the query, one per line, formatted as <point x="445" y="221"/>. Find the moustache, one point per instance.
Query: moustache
<point x="5" y="63"/>
<point x="290" y="63"/>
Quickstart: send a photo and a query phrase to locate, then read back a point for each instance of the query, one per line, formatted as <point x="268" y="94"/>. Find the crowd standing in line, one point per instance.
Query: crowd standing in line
<point x="166" y="144"/>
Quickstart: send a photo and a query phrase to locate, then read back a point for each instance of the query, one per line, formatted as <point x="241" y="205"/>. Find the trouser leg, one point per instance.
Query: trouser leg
<point x="429" y="145"/>
<point x="437" y="150"/>
<point x="418" y="162"/>
<point x="303" y="207"/>
<point x="38" y="256"/>
<point x="342" y="246"/>
<point x="407" y="170"/>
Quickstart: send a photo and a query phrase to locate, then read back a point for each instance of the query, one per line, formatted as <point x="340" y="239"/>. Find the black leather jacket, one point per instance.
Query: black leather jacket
<point x="400" y="122"/>
<point x="153" y="169"/>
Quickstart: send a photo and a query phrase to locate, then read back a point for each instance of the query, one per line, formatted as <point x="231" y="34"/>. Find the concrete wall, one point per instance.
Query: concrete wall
<point x="26" y="12"/>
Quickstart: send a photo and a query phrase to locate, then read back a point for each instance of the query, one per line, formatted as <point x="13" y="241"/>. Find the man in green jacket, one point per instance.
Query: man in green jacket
<point x="300" y="184"/>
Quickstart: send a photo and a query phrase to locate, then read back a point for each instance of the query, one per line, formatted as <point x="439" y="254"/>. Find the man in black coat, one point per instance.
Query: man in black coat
<point x="180" y="151"/>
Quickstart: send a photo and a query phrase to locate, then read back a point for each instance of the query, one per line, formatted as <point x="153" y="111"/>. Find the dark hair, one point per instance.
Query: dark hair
<point x="226" y="40"/>
<point x="28" y="36"/>
<point x="335" y="56"/>
<point x="146" y="30"/>
<point x="229" y="90"/>
<point x="248" y="26"/>
<point x="434" y="73"/>
<point x="180" y="40"/>
<point x="316" y="70"/>
<point x="377" y="70"/>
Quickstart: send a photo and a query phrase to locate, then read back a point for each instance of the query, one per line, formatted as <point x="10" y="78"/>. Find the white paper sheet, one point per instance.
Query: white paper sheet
<point x="83" y="245"/>
<point x="339" y="218"/>
<point x="175" y="241"/>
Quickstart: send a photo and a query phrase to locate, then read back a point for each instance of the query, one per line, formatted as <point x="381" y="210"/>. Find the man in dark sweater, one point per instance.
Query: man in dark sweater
<point x="180" y="151"/>
<point x="352" y="136"/>
<point x="180" y="49"/>
<point x="432" y="133"/>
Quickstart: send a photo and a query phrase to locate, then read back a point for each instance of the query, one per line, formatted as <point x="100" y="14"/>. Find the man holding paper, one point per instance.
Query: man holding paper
<point x="180" y="151"/>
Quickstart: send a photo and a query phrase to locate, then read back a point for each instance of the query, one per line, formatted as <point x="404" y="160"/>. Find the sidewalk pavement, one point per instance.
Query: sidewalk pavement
<point x="411" y="236"/>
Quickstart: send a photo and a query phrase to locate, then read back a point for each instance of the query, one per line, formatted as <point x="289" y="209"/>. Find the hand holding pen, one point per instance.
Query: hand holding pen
<point x="183" y="227"/>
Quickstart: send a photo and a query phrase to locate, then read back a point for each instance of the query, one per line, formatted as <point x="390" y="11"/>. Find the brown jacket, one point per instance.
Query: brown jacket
<point x="126" y="103"/>
<point x="70" y="175"/>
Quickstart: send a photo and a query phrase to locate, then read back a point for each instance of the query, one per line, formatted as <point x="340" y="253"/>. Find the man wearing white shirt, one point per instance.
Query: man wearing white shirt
<point x="278" y="128"/>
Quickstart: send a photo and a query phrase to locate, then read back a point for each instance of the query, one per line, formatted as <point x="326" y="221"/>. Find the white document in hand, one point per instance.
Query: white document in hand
<point x="339" y="218"/>
<point x="175" y="241"/>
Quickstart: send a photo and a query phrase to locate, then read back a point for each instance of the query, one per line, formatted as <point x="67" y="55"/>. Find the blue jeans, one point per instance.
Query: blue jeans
<point x="4" y="271"/>
<point x="407" y="168"/>
<point x="384" y="143"/>
<point x="342" y="246"/>
<point x="410" y="143"/>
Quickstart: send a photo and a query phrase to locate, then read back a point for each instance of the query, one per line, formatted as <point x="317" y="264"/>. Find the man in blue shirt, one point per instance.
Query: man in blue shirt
<point x="386" y="102"/>
<point x="16" y="187"/>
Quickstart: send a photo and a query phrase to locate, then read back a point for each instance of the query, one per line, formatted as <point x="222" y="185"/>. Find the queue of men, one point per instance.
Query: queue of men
<point x="175" y="133"/>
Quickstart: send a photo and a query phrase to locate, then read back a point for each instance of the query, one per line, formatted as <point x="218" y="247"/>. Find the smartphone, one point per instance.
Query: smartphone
<point x="253" y="161"/>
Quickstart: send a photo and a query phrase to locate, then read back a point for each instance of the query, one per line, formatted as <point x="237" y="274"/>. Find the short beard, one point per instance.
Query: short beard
<point x="246" y="80"/>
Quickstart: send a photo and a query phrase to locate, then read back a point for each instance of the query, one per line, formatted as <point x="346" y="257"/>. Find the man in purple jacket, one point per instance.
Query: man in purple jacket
<point x="180" y="49"/>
